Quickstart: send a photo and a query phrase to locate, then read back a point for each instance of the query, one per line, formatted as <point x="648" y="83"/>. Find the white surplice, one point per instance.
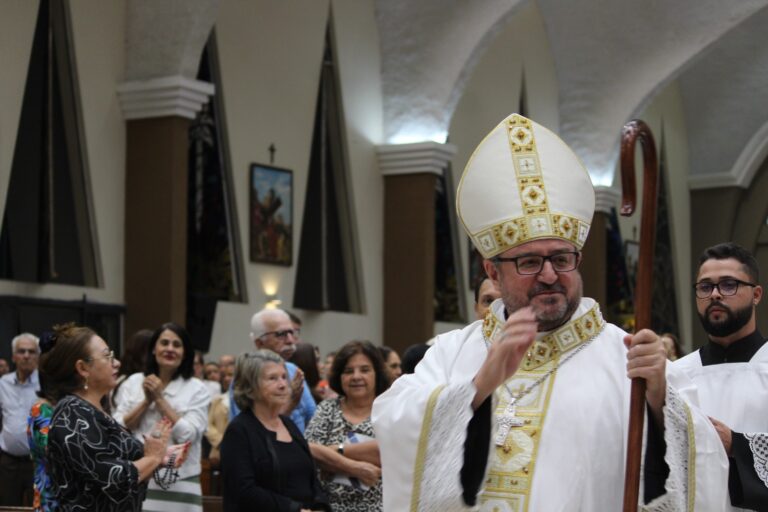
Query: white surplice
<point x="733" y="393"/>
<point x="569" y="457"/>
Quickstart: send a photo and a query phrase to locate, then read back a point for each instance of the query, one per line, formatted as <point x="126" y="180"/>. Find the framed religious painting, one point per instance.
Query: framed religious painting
<point x="271" y="212"/>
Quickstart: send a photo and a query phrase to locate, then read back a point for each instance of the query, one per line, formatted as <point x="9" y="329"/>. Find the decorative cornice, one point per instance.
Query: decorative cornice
<point x="713" y="180"/>
<point x="418" y="158"/>
<point x="163" y="97"/>
<point x="606" y="198"/>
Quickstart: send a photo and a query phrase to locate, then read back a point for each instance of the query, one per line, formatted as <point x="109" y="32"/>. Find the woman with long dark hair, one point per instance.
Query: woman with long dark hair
<point x="167" y="389"/>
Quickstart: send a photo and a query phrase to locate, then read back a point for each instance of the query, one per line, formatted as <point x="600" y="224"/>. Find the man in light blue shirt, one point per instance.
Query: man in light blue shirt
<point x="272" y="329"/>
<point x="18" y="391"/>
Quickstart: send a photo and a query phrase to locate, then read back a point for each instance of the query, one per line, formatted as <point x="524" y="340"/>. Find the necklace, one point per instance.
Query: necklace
<point x="508" y="418"/>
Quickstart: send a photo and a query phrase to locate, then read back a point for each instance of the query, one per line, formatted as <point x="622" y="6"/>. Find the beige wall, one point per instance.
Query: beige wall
<point x="99" y="37"/>
<point x="17" y="25"/>
<point x="270" y="79"/>
<point x="270" y="55"/>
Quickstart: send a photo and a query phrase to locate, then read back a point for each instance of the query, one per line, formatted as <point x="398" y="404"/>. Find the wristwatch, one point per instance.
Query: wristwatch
<point x="340" y="449"/>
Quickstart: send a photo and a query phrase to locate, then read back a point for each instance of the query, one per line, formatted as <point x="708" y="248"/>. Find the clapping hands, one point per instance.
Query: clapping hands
<point x="153" y="388"/>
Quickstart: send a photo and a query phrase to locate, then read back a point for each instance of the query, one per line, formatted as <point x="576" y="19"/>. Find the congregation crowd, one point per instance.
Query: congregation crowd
<point x="278" y="428"/>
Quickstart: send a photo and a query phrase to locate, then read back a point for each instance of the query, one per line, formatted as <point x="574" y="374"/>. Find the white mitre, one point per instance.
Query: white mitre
<point x="523" y="183"/>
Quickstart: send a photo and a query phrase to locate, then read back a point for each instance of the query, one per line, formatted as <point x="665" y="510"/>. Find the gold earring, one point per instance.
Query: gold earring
<point x="85" y="386"/>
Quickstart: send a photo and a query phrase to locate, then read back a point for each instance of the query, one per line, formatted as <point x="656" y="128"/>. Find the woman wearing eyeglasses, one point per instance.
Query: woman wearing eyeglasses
<point x="167" y="389"/>
<point x="94" y="463"/>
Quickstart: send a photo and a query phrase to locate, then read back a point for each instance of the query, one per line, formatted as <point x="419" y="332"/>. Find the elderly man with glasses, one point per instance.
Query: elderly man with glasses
<point x="728" y="376"/>
<point x="272" y="329"/>
<point x="18" y="391"/>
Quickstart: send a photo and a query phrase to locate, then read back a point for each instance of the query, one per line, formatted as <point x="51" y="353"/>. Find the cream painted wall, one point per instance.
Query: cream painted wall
<point x="270" y="79"/>
<point x="493" y="92"/>
<point x="17" y="26"/>
<point x="99" y="37"/>
<point x="667" y="107"/>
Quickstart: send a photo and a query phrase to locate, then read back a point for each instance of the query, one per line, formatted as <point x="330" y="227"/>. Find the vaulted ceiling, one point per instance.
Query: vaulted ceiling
<point x="611" y="58"/>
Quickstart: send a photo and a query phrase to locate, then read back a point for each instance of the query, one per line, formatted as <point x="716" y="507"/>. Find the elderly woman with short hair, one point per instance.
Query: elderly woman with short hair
<point x="266" y="463"/>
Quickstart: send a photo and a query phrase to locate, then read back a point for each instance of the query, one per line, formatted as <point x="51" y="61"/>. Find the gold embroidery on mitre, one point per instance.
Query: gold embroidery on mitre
<point x="525" y="157"/>
<point x="510" y="233"/>
<point x="536" y="220"/>
<point x="510" y="476"/>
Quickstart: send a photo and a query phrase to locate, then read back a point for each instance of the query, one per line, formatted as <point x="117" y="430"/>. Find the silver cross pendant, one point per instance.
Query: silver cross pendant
<point x="506" y="421"/>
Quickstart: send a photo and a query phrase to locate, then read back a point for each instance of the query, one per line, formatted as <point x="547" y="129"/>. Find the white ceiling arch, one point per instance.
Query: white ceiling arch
<point x="607" y="68"/>
<point x="167" y="38"/>
<point x="725" y="99"/>
<point x="428" y="50"/>
<point x="612" y="57"/>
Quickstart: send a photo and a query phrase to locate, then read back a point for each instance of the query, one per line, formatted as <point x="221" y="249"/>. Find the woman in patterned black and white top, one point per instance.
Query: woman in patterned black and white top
<point x="340" y="434"/>
<point x="94" y="463"/>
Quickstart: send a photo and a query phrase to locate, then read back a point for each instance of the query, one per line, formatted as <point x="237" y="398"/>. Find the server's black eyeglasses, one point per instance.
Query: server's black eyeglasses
<point x="727" y="287"/>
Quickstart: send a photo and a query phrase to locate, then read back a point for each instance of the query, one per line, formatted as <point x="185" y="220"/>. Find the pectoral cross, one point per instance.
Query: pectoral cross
<point x="506" y="421"/>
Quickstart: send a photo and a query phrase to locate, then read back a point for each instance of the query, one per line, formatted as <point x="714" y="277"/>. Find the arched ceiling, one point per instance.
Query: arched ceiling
<point x="167" y="38"/>
<point x="428" y="48"/>
<point x="611" y="57"/>
<point x="725" y="98"/>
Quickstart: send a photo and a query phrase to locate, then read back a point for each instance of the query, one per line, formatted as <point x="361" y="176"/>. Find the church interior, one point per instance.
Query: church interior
<point x="197" y="160"/>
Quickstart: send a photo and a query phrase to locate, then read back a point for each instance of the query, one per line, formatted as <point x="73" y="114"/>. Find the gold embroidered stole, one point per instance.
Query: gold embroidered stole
<point x="508" y="485"/>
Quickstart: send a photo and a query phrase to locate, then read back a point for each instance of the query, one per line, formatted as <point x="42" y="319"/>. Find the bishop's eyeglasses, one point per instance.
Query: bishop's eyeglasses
<point x="726" y="287"/>
<point x="530" y="264"/>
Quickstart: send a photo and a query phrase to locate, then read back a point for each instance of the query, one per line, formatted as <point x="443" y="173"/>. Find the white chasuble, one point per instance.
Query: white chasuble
<point x="566" y="449"/>
<point x="733" y="393"/>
